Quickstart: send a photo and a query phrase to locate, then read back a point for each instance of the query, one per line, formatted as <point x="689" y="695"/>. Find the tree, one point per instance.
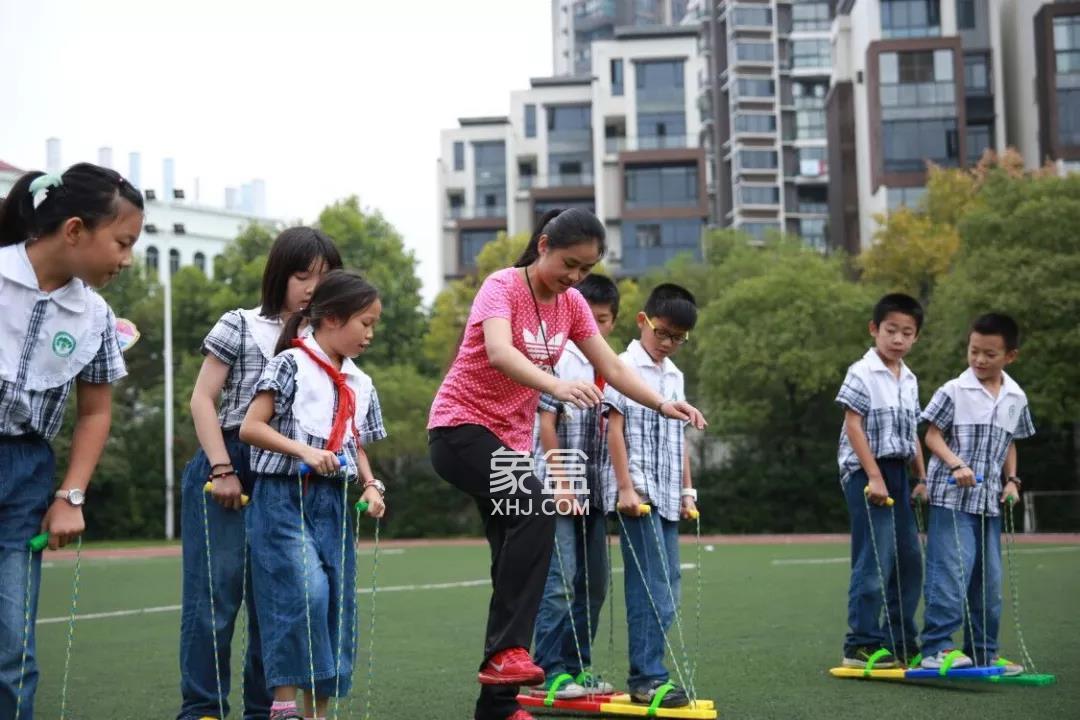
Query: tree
<point x="370" y="244"/>
<point x="775" y="345"/>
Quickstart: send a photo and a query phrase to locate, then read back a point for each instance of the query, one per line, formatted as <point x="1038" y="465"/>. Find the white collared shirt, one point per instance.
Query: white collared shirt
<point x="304" y="402"/>
<point x="655" y="445"/>
<point x="244" y="340"/>
<point x="889" y="406"/>
<point x="978" y="428"/>
<point x="51" y="339"/>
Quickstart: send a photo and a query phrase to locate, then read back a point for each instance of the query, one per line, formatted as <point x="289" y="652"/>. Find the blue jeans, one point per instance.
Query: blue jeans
<point x="228" y="551"/>
<point x="955" y="573"/>
<point x="901" y="564"/>
<point x="288" y="596"/>
<point x="27" y="467"/>
<point x="582" y="543"/>
<point x="660" y="576"/>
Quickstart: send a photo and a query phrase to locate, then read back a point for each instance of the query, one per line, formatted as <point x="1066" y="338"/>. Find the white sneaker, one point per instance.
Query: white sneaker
<point x="594" y="684"/>
<point x="1011" y="668"/>
<point x="937" y="660"/>
<point x="567" y="691"/>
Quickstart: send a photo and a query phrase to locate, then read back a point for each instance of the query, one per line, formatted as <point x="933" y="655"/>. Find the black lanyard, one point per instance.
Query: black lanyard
<point x="540" y="321"/>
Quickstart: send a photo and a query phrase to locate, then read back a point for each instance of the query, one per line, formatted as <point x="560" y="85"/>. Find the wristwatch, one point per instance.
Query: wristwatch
<point x="75" y="496"/>
<point x="690" y="493"/>
<point x="377" y="484"/>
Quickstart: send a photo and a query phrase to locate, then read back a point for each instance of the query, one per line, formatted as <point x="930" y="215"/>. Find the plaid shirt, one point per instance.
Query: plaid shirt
<point x="280" y="379"/>
<point x="889" y="407"/>
<point x="576" y="429"/>
<point x="655" y="444"/>
<point x="50" y="341"/>
<point x="243" y="340"/>
<point x="978" y="428"/>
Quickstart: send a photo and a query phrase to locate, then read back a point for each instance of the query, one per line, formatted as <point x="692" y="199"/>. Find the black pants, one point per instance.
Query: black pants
<point x="521" y="541"/>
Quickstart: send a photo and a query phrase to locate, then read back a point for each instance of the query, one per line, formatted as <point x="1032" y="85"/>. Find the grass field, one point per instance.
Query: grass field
<point x="772" y="625"/>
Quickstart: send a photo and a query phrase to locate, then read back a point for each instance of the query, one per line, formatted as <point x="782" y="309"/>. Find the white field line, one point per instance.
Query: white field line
<point x="841" y="560"/>
<point x="361" y="591"/>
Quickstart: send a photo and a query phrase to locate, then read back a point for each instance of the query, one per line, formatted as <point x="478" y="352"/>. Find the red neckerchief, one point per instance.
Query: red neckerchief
<point x="345" y="410"/>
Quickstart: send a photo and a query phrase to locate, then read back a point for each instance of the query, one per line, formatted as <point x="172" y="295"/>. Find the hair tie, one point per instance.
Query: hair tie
<point x="39" y="188"/>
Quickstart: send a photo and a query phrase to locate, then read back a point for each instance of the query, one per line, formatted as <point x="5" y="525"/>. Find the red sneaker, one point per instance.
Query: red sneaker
<point x="512" y="666"/>
<point x="520" y="714"/>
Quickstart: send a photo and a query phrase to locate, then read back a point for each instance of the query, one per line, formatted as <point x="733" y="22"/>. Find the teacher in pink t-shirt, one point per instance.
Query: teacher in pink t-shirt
<point x="485" y="409"/>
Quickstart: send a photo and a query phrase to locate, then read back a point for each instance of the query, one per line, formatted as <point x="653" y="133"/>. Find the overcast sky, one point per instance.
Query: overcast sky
<point x="322" y="99"/>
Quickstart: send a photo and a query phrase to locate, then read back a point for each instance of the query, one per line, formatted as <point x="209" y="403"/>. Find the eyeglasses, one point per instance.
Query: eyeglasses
<point x="662" y="334"/>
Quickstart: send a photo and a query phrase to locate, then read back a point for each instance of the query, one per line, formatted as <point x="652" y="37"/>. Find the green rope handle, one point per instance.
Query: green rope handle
<point x="916" y="662"/>
<point x="658" y="697"/>
<point x="558" y="682"/>
<point x="213" y="609"/>
<point x="947" y="664"/>
<point x="71" y="626"/>
<point x="878" y="654"/>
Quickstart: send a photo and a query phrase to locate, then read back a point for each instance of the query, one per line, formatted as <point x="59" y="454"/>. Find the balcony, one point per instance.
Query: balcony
<point x="614" y="145"/>
<point x="641" y="259"/>
<point x="580" y="179"/>
<point x="462" y="212"/>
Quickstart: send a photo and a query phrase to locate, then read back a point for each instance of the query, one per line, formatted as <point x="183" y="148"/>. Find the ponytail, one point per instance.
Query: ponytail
<point x="563" y="228"/>
<point x="39" y="204"/>
<point x="290" y="332"/>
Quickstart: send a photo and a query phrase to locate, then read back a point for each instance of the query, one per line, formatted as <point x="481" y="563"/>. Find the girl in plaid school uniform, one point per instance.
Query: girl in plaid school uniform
<point x="237" y="350"/>
<point x="312" y="405"/>
<point x="60" y="236"/>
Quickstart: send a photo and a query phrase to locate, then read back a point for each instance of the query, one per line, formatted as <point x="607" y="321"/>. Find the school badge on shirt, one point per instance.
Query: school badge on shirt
<point x="63" y="344"/>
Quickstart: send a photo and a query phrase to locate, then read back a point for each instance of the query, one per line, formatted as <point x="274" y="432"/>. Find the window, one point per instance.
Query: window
<point x="759" y="195"/>
<point x="542" y="206"/>
<point x="920" y="82"/>
<point x="530" y="121"/>
<point x="812" y="232"/>
<point x="647" y="236"/>
<point x="965" y="14"/>
<point x="752" y="16"/>
<point x="810" y="16"/>
<point x="459" y="156"/>
<point x="457" y="205"/>
<point x="976" y="74"/>
<point x="617" y="76"/>
<point x="812" y="199"/>
<point x="811" y="54"/>
<point x="661" y="186"/>
<point x="199" y="260"/>
<point x="908" y="144"/>
<point x="1067" y="59"/>
<point x="746" y="87"/>
<point x="903" y="197"/>
<point x="910" y="18"/>
<point x="174" y="261"/>
<point x="650" y="243"/>
<point x="470" y="243"/>
<point x="152" y="258"/>
<point x="813" y="161"/>
<point x="755" y="123"/>
<point x="754" y="51"/>
<point x="490" y="188"/>
<point x="757" y="160"/>
<point x="980" y="138"/>
<point x="658" y="75"/>
<point x="809" y="100"/>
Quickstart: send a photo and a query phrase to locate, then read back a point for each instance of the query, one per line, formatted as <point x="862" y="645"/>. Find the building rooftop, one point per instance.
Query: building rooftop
<point x="561" y="80"/>
<point x="484" y="120"/>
